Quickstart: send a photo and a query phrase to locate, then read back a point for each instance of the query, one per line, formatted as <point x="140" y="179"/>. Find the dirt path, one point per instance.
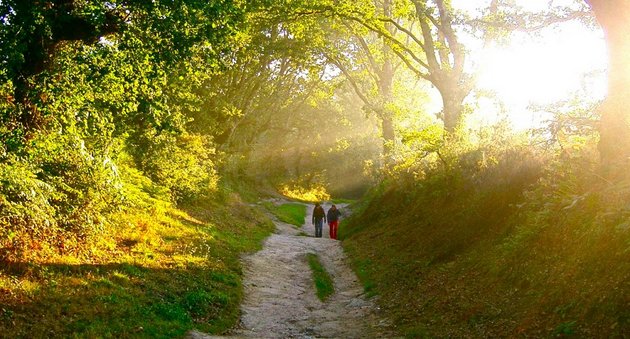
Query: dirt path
<point x="280" y="298"/>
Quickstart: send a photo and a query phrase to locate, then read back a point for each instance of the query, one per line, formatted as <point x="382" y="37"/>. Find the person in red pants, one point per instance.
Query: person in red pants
<point x="333" y="221"/>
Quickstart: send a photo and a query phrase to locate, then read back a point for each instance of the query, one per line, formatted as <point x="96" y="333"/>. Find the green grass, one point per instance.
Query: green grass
<point x="156" y="274"/>
<point x="342" y="201"/>
<point x="323" y="282"/>
<point x="291" y="213"/>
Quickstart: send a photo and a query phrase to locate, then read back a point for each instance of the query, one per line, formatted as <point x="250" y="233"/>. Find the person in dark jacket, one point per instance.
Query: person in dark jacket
<point x="333" y="221"/>
<point x="319" y="217"/>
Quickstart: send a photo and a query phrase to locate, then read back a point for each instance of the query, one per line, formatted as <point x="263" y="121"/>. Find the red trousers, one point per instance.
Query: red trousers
<point x="333" y="225"/>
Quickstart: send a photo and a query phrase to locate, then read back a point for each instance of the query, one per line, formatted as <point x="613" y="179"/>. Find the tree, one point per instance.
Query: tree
<point x="277" y="111"/>
<point x="31" y="33"/>
<point x="614" y="145"/>
<point x="379" y="64"/>
<point x="261" y="93"/>
<point x="423" y="36"/>
<point x="85" y="83"/>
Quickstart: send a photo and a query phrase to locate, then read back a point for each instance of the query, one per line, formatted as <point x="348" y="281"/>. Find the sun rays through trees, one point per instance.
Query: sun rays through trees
<point x="125" y="125"/>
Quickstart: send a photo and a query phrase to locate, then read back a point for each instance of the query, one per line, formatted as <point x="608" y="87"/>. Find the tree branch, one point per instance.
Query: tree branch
<point x="353" y="83"/>
<point x="548" y="21"/>
<point x="455" y="47"/>
<point x="404" y="30"/>
<point x="391" y="39"/>
<point x="429" y="46"/>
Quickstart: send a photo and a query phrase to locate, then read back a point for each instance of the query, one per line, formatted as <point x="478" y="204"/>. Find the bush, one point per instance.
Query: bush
<point x="56" y="195"/>
<point x="183" y="164"/>
<point x="26" y="213"/>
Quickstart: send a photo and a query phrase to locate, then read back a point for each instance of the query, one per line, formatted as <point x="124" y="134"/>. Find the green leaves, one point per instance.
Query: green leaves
<point x="80" y="81"/>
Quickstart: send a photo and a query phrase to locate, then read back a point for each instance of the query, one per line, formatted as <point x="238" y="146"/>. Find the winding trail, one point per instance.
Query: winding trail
<point x="280" y="300"/>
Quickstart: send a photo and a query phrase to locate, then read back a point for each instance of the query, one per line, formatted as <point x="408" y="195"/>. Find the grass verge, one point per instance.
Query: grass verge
<point x="291" y="213"/>
<point x="156" y="272"/>
<point x="323" y="282"/>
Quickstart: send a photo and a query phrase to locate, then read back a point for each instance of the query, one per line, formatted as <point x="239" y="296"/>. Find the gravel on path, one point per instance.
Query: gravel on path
<point x="280" y="299"/>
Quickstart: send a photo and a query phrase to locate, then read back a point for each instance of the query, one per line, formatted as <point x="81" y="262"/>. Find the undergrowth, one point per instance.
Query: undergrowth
<point x="306" y="192"/>
<point x="523" y="244"/>
<point x="154" y="271"/>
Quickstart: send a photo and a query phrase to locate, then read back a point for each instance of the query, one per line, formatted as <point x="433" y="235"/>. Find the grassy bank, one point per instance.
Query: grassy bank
<point x="291" y="213"/>
<point x="157" y="273"/>
<point x="502" y="251"/>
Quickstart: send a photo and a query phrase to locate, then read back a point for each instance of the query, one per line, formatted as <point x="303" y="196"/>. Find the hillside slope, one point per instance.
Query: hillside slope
<point x="155" y="271"/>
<point x="523" y="253"/>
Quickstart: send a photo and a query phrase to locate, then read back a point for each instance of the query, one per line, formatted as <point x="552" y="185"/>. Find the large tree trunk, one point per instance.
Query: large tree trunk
<point x="452" y="112"/>
<point x="614" y="145"/>
<point x="446" y="58"/>
<point x="453" y="94"/>
<point x="453" y="108"/>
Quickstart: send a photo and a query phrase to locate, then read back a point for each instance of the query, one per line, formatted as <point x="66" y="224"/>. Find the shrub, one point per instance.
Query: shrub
<point x="309" y="188"/>
<point x="183" y="164"/>
<point x="56" y="195"/>
<point x="26" y="214"/>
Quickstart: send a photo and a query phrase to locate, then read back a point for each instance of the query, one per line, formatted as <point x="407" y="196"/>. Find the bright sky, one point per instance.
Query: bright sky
<point x="539" y="70"/>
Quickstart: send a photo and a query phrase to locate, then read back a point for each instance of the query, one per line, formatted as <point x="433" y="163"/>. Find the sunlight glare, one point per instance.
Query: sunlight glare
<point x="544" y="70"/>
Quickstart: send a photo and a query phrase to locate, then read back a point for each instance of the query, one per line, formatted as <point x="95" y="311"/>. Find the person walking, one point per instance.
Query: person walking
<point x="319" y="217"/>
<point x="333" y="221"/>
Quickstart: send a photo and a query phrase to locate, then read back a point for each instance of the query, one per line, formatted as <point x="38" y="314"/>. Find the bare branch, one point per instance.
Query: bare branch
<point x="411" y="67"/>
<point x="366" y="49"/>
<point x="368" y="53"/>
